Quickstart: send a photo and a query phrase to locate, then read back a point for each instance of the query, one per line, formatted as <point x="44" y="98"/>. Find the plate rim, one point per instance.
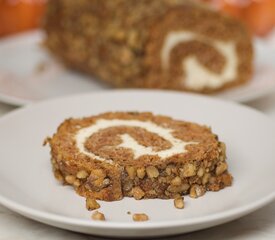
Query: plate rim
<point x="227" y="214"/>
<point x="43" y="215"/>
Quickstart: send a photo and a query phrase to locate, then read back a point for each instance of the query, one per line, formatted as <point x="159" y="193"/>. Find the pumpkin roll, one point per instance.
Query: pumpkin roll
<point x="137" y="154"/>
<point x="168" y="44"/>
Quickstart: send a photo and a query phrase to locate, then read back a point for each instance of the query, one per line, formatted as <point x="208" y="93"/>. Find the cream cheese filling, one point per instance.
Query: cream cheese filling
<point x="198" y="77"/>
<point x="178" y="146"/>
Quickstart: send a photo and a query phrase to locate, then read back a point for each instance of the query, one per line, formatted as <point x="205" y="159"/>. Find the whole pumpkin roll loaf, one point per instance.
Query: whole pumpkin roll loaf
<point x="138" y="154"/>
<point x="170" y="44"/>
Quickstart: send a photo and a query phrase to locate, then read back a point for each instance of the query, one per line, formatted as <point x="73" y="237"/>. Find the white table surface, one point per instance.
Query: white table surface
<point x="258" y="225"/>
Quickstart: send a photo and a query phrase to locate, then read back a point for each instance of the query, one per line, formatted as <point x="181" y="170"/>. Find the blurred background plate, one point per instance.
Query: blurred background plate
<point x="28" y="73"/>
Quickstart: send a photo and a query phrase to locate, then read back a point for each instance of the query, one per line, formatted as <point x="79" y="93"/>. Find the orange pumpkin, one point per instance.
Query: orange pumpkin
<point x="20" y="15"/>
<point x="258" y="15"/>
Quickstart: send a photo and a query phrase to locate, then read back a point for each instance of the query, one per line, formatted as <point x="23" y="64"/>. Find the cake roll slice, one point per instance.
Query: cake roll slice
<point x="166" y="44"/>
<point x="141" y="155"/>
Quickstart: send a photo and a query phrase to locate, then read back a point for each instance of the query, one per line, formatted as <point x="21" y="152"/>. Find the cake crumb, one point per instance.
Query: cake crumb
<point x="140" y="217"/>
<point x="46" y="141"/>
<point x="41" y="67"/>
<point x="129" y="213"/>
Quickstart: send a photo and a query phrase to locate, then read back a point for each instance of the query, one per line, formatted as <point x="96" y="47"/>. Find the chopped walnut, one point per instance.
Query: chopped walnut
<point x="140" y="217"/>
<point x="82" y="174"/>
<point x="200" y="172"/>
<point x="98" y="180"/>
<point x="58" y="175"/>
<point x="179" y="203"/>
<point x="196" y="191"/>
<point x="98" y="216"/>
<point x="205" y="178"/>
<point x="141" y="172"/>
<point x="138" y="193"/>
<point x="131" y="171"/>
<point x="92" y="204"/>
<point x="188" y="170"/>
<point x="171" y="169"/>
<point x="176" y="189"/>
<point x="152" y="172"/>
<point x="70" y="179"/>
<point x="221" y="168"/>
<point x="76" y="183"/>
<point x="176" y="181"/>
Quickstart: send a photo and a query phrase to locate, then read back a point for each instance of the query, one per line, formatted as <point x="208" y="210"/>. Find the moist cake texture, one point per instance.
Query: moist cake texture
<point x="140" y="155"/>
<point x="168" y="44"/>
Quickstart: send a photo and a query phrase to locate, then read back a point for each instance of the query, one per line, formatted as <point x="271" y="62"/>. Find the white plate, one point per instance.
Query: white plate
<point x="28" y="187"/>
<point x="21" y="82"/>
<point x="28" y="73"/>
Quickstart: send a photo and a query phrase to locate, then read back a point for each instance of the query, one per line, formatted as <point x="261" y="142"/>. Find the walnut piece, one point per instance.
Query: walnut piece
<point x="140" y="217"/>
<point x="92" y="204"/>
<point x="98" y="216"/>
<point x="179" y="203"/>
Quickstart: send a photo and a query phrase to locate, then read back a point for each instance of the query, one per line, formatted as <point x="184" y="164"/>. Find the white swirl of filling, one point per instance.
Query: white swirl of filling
<point x="198" y="77"/>
<point x="178" y="146"/>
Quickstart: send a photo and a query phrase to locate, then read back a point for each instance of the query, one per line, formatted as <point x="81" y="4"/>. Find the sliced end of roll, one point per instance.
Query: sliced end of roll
<point x="196" y="49"/>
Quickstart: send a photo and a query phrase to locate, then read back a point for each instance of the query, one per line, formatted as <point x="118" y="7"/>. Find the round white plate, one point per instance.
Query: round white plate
<point x="28" y="187"/>
<point x="28" y="73"/>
